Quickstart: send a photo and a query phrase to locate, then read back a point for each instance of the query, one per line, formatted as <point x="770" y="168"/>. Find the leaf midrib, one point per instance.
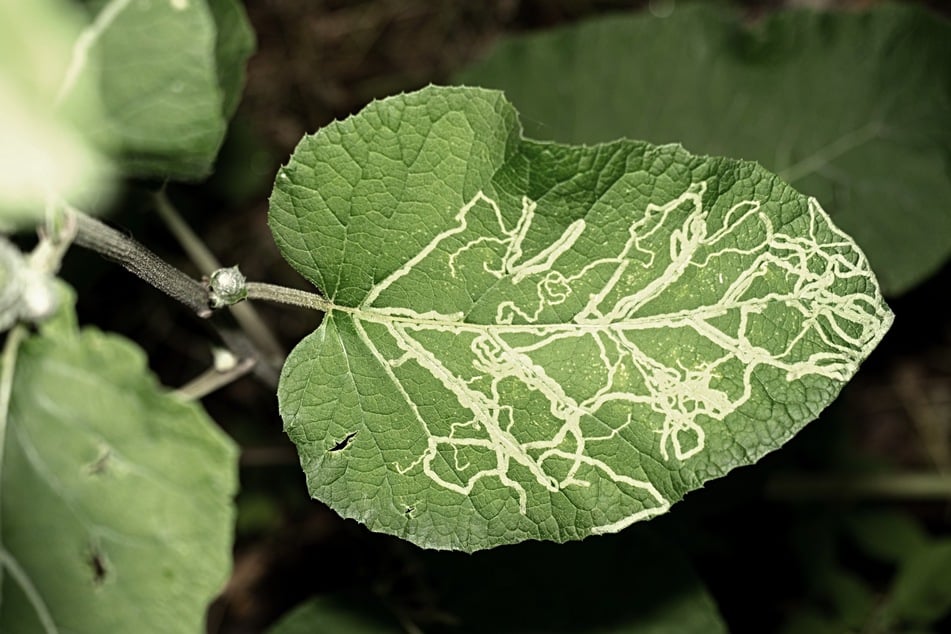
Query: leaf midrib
<point x="666" y="320"/>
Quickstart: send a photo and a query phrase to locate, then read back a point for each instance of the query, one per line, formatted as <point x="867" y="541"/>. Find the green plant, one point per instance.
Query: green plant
<point x="520" y="340"/>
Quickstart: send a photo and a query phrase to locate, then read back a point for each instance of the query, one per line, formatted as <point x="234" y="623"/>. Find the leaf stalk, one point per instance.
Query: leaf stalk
<point x="291" y="296"/>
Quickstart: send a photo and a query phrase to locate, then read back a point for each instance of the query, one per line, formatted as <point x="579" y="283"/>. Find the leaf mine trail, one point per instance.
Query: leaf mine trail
<point x="728" y="293"/>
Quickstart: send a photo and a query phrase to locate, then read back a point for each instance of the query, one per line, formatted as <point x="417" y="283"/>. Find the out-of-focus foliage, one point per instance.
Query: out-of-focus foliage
<point x="44" y="150"/>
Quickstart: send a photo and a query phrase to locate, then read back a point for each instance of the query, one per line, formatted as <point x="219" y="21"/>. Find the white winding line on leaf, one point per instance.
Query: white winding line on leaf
<point x="675" y="237"/>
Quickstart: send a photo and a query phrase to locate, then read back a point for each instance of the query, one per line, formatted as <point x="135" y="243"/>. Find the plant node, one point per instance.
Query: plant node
<point x="227" y="286"/>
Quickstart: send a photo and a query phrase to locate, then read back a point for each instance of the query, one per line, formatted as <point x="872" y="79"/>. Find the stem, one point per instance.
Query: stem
<point x="138" y="260"/>
<point x="56" y="236"/>
<point x="197" y="252"/>
<point x="245" y="314"/>
<point x="32" y="594"/>
<point x="7" y="367"/>
<point x="10" y="348"/>
<point x="214" y="379"/>
<point x="901" y="486"/>
<point x="292" y="296"/>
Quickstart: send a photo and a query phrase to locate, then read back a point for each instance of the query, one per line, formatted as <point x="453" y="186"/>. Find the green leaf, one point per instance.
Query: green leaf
<point x="337" y="615"/>
<point x="527" y="340"/>
<point x="851" y="108"/>
<point x="233" y="47"/>
<point x="44" y="149"/>
<point x="889" y="535"/>
<point x="169" y="80"/>
<point x="117" y="511"/>
<point x="921" y="591"/>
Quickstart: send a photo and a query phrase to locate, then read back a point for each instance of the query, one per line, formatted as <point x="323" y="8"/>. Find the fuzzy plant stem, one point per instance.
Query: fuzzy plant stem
<point x="291" y="296"/>
<point x="138" y="260"/>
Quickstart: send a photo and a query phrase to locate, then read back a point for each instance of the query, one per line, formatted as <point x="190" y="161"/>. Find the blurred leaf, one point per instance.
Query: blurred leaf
<point x="836" y="598"/>
<point x="234" y="45"/>
<point x="808" y="620"/>
<point x="257" y="513"/>
<point x="851" y="108"/>
<point x="921" y="592"/>
<point x="890" y="535"/>
<point x="337" y="615"/>
<point x="631" y="583"/>
<point x="540" y="588"/>
<point x="245" y="166"/>
<point x="848" y="596"/>
<point x="169" y="80"/>
<point x="117" y="505"/>
<point x="44" y="150"/>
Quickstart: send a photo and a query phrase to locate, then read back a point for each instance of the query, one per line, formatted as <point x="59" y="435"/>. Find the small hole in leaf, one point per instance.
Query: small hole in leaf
<point x="410" y="509"/>
<point x="97" y="564"/>
<point x="102" y="463"/>
<point x="340" y="446"/>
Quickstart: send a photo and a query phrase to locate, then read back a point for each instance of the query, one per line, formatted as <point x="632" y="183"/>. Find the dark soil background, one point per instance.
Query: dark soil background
<point x="319" y="61"/>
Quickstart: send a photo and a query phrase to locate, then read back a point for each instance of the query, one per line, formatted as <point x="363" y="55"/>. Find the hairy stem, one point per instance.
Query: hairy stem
<point x="284" y="295"/>
<point x="138" y="260"/>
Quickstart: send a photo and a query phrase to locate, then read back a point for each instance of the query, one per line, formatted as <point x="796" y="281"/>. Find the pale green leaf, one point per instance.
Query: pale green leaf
<point x="169" y="80"/>
<point x="117" y="511"/>
<point x="44" y="150"/>
<point x="851" y="108"/>
<point x="537" y="341"/>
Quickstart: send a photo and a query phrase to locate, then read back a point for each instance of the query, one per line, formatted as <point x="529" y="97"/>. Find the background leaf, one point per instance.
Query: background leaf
<point x="851" y="108"/>
<point x="470" y="594"/>
<point x="169" y="80"/>
<point x="333" y="614"/>
<point x="604" y="597"/>
<point x="539" y="341"/>
<point x="116" y="496"/>
<point x="921" y="591"/>
<point x="234" y="44"/>
<point x="45" y="149"/>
